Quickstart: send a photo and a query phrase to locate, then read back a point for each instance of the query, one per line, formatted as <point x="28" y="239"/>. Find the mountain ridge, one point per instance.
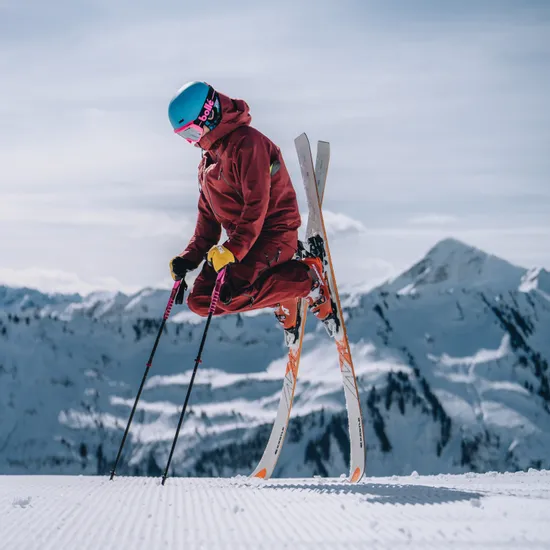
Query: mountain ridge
<point x="435" y="269"/>
<point x="453" y="377"/>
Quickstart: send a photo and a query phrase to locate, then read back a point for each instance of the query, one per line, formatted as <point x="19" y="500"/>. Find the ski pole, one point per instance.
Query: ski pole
<point x="167" y="311"/>
<point x="220" y="280"/>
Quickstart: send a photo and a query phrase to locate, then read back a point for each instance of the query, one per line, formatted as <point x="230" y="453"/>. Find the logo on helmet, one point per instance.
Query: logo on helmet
<point x="208" y="106"/>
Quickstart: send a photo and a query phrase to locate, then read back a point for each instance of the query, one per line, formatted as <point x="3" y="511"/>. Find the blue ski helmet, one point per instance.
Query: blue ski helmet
<point x="196" y="103"/>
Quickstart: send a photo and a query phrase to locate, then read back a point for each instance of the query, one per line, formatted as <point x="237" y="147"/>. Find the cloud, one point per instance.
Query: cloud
<point x="137" y="223"/>
<point x="433" y="219"/>
<point x="337" y="223"/>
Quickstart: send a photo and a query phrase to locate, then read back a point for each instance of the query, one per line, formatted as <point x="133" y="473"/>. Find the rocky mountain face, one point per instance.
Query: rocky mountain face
<point x="452" y="363"/>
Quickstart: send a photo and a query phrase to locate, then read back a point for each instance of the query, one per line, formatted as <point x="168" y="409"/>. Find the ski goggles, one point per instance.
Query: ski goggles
<point x="193" y="131"/>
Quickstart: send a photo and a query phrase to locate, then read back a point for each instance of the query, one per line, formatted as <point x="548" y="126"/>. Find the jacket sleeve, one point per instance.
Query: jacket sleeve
<point x="252" y="170"/>
<point x="207" y="234"/>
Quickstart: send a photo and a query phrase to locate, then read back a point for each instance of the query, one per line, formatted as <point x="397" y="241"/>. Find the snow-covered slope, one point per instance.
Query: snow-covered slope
<point x="536" y="279"/>
<point x="497" y="511"/>
<point x="452" y="359"/>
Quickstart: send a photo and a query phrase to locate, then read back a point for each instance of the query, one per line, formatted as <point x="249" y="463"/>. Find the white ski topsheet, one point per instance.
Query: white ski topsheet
<point x="316" y="226"/>
<point x="272" y="451"/>
<point x="471" y="511"/>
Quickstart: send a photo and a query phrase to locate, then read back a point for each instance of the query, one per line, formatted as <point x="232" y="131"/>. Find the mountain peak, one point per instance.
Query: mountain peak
<point x="536" y="278"/>
<point x="454" y="264"/>
<point x="451" y="245"/>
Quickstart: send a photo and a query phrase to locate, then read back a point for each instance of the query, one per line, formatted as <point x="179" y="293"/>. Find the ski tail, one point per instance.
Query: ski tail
<point x="272" y="451"/>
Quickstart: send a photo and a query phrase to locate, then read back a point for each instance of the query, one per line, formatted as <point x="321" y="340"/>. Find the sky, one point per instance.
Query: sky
<point x="438" y="114"/>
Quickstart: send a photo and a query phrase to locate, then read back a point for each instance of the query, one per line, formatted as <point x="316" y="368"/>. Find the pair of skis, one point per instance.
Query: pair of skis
<point x="316" y="240"/>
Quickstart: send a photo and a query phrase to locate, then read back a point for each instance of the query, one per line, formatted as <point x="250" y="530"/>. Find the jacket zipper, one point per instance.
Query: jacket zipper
<point x="205" y="187"/>
<point x="222" y="176"/>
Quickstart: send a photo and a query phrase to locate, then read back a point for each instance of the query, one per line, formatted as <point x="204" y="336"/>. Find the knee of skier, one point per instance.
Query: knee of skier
<point x="196" y="305"/>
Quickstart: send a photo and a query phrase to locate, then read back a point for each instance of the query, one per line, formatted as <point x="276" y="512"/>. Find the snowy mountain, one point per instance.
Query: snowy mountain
<point x="451" y="264"/>
<point x="452" y="360"/>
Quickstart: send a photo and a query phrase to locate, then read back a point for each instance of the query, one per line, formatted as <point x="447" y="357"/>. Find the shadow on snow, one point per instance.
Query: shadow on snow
<point x="387" y="494"/>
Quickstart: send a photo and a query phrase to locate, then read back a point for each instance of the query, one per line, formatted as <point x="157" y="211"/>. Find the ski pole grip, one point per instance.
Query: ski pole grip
<point x="220" y="280"/>
<point x="173" y="294"/>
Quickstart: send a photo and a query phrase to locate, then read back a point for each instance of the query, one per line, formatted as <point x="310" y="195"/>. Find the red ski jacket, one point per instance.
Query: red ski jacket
<point x="237" y="190"/>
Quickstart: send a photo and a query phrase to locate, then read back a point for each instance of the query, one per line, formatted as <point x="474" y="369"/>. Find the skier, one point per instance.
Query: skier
<point x="246" y="189"/>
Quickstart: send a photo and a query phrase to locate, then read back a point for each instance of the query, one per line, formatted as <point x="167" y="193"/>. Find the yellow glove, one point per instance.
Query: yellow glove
<point x="219" y="256"/>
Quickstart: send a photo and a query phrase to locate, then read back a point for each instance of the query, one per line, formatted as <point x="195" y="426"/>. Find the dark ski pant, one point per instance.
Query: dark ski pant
<point x="265" y="277"/>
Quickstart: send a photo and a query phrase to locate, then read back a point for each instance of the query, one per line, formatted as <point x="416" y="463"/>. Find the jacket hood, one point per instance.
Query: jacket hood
<point x="235" y="113"/>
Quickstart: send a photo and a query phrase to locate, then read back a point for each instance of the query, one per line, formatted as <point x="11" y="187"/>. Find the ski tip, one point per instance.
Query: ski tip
<point x="261" y="474"/>
<point x="301" y="137"/>
<point x="356" y="476"/>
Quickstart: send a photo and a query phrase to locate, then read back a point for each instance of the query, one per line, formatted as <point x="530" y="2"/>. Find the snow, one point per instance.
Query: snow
<point x="481" y="356"/>
<point x="451" y="264"/>
<point x="537" y="279"/>
<point x="471" y="511"/>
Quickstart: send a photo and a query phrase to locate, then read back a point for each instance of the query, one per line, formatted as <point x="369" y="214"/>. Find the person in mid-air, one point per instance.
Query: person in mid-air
<point x="245" y="188"/>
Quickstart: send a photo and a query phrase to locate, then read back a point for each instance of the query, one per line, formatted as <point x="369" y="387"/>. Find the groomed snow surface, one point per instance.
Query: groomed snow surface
<point x="467" y="511"/>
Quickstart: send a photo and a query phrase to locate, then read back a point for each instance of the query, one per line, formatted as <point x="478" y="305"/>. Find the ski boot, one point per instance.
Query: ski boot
<point x="289" y="316"/>
<point x="319" y="300"/>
